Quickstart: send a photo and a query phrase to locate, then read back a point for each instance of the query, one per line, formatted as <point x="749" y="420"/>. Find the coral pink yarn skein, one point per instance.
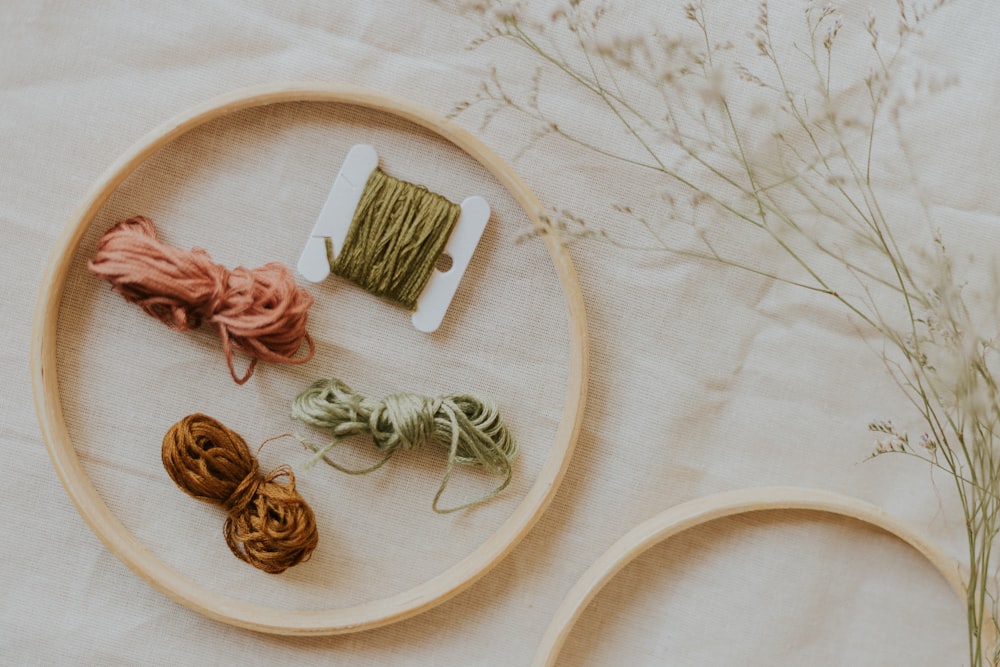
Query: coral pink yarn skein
<point x="261" y="312"/>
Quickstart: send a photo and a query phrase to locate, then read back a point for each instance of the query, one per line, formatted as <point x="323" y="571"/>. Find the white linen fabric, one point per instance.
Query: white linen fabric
<point x="703" y="379"/>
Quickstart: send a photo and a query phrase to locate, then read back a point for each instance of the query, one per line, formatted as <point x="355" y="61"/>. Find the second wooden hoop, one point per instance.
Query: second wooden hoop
<point x="717" y="506"/>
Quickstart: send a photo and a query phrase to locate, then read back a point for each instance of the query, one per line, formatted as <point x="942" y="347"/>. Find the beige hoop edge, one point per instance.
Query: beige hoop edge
<point x="717" y="506"/>
<point x="139" y="558"/>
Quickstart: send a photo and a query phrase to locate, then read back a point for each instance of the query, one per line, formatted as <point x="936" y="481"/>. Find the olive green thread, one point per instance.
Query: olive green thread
<point x="398" y="232"/>
<point x="470" y="429"/>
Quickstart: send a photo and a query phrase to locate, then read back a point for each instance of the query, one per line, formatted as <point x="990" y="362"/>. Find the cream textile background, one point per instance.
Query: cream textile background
<point x="701" y="380"/>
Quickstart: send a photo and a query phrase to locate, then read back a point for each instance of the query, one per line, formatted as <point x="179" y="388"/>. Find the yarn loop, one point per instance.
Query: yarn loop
<point x="403" y="421"/>
<point x="468" y="428"/>
<point x="261" y="312"/>
<point x="268" y="524"/>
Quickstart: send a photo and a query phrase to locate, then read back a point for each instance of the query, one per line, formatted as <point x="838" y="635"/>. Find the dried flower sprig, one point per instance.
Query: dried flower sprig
<point x="690" y="107"/>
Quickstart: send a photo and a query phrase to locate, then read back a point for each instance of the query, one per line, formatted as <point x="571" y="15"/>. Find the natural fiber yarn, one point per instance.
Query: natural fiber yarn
<point x="398" y="231"/>
<point x="261" y="312"/>
<point x="468" y="428"/>
<point x="269" y="525"/>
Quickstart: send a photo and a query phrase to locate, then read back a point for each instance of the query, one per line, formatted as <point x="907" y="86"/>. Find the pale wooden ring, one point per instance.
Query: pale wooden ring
<point x="717" y="506"/>
<point x="141" y="560"/>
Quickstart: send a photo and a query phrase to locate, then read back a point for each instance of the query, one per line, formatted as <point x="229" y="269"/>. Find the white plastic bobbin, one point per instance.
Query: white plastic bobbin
<point x="335" y="220"/>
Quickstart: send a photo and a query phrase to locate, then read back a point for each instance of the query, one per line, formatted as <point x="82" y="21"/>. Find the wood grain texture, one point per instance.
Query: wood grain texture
<point x="142" y="560"/>
<point x="717" y="506"/>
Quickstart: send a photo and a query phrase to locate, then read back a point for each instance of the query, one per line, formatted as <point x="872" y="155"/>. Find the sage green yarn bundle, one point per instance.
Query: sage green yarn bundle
<point x="468" y="428"/>
<point x="398" y="232"/>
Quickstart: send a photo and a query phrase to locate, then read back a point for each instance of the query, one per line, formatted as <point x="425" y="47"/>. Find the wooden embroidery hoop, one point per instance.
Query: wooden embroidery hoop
<point x="717" y="506"/>
<point x="144" y="562"/>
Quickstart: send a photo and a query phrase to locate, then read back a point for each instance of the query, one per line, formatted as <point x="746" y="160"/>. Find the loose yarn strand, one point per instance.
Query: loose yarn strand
<point x="469" y="429"/>
<point x="398" y="232"/>
<point x="341" y="411"/>
<point x="260" y="312"/>
<point x="506" y="469"/>
<point x="268" y="524"/>
<point x="482" y="452"/>
<point x="322" y="454"/>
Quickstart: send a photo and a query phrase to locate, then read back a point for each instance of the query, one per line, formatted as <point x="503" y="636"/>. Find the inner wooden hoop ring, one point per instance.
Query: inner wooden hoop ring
<point x="717" y="506"/>
<point x="140" y="559"/>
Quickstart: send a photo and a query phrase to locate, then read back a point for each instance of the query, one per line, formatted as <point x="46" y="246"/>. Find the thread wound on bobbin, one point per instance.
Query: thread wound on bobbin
<point x="397" y="234"/>
<point x="398" y="237"/>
